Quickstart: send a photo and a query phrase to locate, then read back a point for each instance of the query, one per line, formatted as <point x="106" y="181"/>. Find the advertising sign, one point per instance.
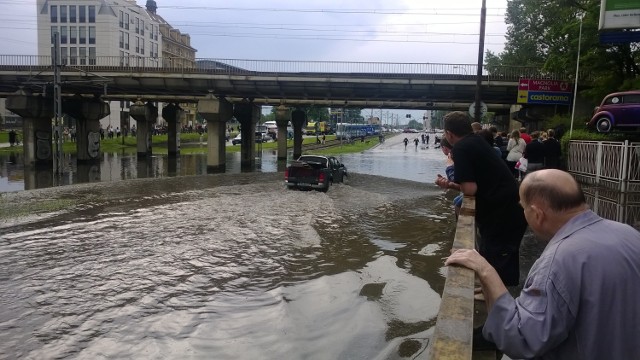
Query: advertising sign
<point x="619" y="14"/>
<point x="547" y="92"/>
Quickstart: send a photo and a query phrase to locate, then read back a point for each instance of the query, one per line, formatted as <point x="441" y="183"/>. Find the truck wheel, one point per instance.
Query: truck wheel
<point x="324" y="189"/>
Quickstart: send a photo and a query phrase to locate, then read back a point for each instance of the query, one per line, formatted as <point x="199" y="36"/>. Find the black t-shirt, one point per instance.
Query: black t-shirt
<point x="534" y="152"/>
<point x="497" y="190"/>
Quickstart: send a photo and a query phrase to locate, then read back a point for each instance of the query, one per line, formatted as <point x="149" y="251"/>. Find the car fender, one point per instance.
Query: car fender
<point x="601" y="114"/>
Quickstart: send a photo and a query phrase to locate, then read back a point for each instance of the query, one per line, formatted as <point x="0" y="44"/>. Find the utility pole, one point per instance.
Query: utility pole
<point x="57" y="106"/>
<point x="483" y="17"/>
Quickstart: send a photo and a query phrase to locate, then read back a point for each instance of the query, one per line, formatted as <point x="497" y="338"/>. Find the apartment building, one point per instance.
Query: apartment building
<point x="109" y="32"/>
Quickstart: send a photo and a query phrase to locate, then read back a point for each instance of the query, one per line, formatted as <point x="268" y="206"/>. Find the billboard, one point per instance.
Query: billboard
<point x="619" y="14"/>
<point x="544" y="92"/>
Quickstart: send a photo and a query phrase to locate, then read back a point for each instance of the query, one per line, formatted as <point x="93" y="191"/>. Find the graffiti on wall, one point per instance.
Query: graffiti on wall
<point x="43" y="145"/>
<point x="93" y="144"/>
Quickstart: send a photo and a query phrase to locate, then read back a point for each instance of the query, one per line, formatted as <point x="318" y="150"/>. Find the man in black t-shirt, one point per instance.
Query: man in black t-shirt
<point x="499" y="216"/>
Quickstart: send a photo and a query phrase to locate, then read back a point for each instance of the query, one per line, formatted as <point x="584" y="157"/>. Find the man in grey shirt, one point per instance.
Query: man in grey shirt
<point x="581" y="299"/>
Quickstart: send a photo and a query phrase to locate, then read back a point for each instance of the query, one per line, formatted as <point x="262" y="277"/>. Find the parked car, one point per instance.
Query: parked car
<point x="260" y="138"/>
<point x="619" y="110"/>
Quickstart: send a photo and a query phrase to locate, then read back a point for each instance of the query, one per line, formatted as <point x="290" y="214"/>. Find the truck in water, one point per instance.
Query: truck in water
<point x="314" y="172"/>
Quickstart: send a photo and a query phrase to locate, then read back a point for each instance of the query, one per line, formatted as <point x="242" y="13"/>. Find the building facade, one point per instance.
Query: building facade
<point x="109" y="33"/>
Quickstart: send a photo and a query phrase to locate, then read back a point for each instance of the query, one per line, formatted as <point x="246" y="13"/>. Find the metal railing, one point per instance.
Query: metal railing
<point x="277" y="67"/>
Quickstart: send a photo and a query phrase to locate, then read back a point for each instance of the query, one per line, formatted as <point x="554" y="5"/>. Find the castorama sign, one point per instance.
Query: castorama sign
<point x="619" y="14"/>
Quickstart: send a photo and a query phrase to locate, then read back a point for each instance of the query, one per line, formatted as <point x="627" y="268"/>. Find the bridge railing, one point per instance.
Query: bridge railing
<point x="453" y="335"/>
<point x="284" y="67"/>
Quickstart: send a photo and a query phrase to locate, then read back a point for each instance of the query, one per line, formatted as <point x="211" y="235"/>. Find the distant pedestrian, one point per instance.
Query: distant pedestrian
<point x="416" y="141"/>
<point x="406" y="142"/>
<point x="427" y="139"/>
<point x="324" y="138"/>
<point x="12" y="137"/>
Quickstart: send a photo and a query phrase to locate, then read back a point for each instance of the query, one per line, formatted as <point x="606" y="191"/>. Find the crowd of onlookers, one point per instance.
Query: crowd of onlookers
<point x="541" y="148"/>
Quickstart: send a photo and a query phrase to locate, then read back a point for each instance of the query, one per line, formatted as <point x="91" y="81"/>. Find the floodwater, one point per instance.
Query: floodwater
<point x="228" y="266"/>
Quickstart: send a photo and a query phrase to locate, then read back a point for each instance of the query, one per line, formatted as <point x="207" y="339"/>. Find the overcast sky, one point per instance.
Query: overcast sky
<point x="413" y="31"/>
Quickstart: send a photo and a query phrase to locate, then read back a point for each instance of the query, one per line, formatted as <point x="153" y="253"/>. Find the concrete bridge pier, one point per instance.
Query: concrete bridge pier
<point x="247" y="114"/>
<point x="283" y="116"/>
<point x="87" y="113"/>
<point x="298" y="118"/>
<point x="217" y="112"/>
<point x="145" y="116"/>
<point x="36" y="112"/>
<point x="173" y="114"/>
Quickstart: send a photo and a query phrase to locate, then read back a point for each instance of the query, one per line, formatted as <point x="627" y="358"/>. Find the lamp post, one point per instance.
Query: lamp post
<point x="575" y="85"/>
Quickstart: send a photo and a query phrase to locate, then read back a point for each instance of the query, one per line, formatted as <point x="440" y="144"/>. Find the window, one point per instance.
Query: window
<point x="72" y="13"/>
<point x="137" y="26"/>
<point x="73" y="55"/>
<point x="83" y="55"/>
<point x="137" y="45"/>
<point x="141" y="27"/>
<point x="126" y="21"/>
<point x="151" y="32"/>
<point x="73" y="35"/>
<point x="82" y="34"/>
<point x="126" y="59"/>
<point x="63" y="13"/>
<point x="82" y="13"/>
<point x="121" y="58"/>
<point x="92" y="13"/>
<point x="126" y="41"/>
<point x="54" y="29"/>
<point x="63" y="34"/>
<point x="63" y="56"/>
<point x="632" y="99"/>
<point x="142" y="46"/>
<point x="121" y="39"/>
<point x="54" y="13"/>
<point x="121" y="19"/>
<point x="92" y="34"/>
<point x="92" y="56"/>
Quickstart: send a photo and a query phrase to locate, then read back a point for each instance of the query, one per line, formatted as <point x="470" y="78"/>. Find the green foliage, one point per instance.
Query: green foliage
<point x="415" y="124"/>
<point x="545" y="34"/>
<point x="316" y="112"/>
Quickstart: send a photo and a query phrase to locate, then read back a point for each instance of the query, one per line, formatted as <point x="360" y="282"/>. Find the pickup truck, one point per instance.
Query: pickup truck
<point x="314" y="172"/>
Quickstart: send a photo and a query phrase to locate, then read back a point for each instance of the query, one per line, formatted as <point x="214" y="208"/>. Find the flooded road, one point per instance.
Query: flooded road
<point x="228" y="266"/>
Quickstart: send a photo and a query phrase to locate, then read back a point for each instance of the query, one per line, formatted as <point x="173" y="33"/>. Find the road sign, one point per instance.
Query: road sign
<point x="483" y="109"/>
<point x="547" y="92"/>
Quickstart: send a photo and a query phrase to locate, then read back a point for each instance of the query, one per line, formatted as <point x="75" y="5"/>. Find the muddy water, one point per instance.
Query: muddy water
<point x="229" y="266"/>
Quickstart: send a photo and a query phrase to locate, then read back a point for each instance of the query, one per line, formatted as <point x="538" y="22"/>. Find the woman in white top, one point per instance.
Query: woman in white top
<point x="515" y="147"/>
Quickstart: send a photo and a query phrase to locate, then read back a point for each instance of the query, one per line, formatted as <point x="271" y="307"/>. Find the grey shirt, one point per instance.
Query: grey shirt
<point x="581" y="299"/>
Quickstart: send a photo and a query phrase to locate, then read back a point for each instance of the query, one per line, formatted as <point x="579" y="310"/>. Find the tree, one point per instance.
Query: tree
<point x="544" y="33"/>
<point x="415" y="124"/>
<point x="316" y="113"/>
<point x="353" y="115"/>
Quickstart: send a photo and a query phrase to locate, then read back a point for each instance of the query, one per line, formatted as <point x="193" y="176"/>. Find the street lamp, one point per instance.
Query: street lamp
<point x="575" y="87"/>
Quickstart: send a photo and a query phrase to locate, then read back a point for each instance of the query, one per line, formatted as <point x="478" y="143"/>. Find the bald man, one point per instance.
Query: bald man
<point x="581" y="299"/>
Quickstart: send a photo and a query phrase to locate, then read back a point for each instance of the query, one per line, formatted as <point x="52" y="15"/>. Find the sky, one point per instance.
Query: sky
<point x="400" y="31"/>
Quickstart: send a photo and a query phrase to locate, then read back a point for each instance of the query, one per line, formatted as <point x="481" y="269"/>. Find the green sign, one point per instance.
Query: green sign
<point x="612" y="5"/>
<point x="619" y="14"/>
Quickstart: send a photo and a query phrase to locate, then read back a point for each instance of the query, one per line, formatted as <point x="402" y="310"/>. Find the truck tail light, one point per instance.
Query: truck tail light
<point x="286" y="174"/>
<point x="321" y="178"/>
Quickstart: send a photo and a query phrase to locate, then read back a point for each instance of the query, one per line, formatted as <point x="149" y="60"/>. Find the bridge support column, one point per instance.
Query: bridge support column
<point x="217" y="112"/>
<point x="248" y="115"/>
<point x="87" y="113"/>
<point x="283" y="116"/>
<point x="37" y="113"/>
<point x="145" y="115"/>
<point x="298" y="118"/>
<point x="172" y="113"/>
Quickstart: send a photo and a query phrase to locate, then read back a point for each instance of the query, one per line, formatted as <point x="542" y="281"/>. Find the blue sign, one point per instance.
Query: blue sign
<point x="549" y="98"/>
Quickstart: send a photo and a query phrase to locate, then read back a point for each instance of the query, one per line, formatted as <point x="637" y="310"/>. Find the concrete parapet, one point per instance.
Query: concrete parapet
<point x="145" y="115"/>
<point x="217" y="112"/>
<point x="283" y="116"/>
<point x="298" y="118"/>
<point x="247" y="114"/>
<point x="37" y="113"/>
<point x="172" y="113"/>
<point x="87" y="113"/>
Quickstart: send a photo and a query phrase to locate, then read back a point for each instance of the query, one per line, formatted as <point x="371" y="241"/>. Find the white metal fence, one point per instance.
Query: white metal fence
<point x="610" y="174"/>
